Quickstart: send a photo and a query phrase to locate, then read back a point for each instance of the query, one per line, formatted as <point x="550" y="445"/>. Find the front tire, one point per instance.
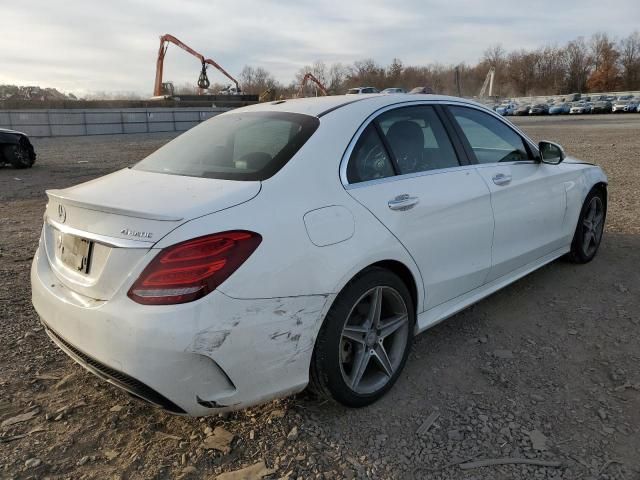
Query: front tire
<point x="364" y="342"/>
<point x="588" y="234"/>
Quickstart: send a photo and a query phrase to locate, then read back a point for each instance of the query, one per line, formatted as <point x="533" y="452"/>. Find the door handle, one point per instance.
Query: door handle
<point x="403" y="202"/>
<point x="501" y="179"/>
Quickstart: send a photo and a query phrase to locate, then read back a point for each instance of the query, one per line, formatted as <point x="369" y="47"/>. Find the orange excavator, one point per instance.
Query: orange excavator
<point x="309" y="76"/>
<point x="203" y="81"/>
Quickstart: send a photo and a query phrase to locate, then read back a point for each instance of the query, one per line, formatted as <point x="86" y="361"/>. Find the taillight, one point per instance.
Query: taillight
<point x="190" y="270"/>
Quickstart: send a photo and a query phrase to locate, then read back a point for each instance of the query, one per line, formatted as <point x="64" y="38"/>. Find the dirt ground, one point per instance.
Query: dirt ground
<point x="546" y="369"/>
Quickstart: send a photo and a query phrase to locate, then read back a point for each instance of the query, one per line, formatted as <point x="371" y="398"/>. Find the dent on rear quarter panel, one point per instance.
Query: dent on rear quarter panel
<point x="263" y="346"/>
<point x="280" y="329"/>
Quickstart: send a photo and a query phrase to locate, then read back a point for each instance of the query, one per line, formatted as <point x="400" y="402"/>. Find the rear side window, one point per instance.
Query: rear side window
<point x="369" y="160"/>
<point x="403" y="141"/>
<point x="235" y="146"/>
<point x="490" y="139"/>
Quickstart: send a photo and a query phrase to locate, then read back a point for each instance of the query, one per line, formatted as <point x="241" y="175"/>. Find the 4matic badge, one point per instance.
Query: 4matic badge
<point x="135" y="233"/>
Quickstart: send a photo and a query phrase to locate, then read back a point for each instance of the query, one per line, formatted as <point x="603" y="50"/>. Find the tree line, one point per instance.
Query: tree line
<point x="596" y="64"/>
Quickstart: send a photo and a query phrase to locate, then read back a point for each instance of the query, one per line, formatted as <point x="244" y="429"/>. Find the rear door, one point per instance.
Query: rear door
<point x="528" y="196"/>
<point x="405" y="169"/>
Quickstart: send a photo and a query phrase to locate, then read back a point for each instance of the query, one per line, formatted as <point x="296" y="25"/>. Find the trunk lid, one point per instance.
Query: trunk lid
<point x="97" y="233"/>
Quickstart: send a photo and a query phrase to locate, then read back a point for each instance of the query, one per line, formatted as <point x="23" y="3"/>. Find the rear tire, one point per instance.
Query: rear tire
<point x="364" y="342"/>
<point x="19" y="155"/>
<point x="590" y="228"/>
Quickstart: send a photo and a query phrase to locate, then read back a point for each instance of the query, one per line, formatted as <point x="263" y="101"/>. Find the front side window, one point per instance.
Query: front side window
<point x="490" y="139"/>
<point x="235" y="146"/>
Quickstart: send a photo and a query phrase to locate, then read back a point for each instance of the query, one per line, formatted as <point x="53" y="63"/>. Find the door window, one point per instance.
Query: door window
<point x="369" y="160"/>
<point x="417" y="139"/>
<point x="490" y="139"/>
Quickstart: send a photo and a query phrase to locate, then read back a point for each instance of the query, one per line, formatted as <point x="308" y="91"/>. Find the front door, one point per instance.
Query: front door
<point x="528" y="197"/>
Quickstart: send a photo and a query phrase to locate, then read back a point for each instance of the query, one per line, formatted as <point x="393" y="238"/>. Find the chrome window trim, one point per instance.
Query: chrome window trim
<point x="101" y="239"/>
<point x="393" y="178"/>
<point x="356" y="136"/>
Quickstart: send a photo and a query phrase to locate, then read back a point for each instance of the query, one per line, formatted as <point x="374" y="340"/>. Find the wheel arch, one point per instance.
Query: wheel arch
<point x="601" y="186"/>
<point x="397" y="267"/>
<point x="402" y="271"/>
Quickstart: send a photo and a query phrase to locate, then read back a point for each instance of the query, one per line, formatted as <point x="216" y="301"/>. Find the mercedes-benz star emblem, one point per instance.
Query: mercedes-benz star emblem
<point x="62" y="213"/>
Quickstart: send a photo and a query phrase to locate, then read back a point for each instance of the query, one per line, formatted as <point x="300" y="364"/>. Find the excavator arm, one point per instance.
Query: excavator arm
<point x="164" y="44"/>
<point x="305" y="79"/>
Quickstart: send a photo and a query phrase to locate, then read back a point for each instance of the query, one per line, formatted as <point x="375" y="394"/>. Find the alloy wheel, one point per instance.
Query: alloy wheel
<point x="592" y="226"/>
<point x="374" y="339"/>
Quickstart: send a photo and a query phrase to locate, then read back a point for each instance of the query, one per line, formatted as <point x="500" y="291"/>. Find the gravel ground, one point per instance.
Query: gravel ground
<point x="546" y="369"/>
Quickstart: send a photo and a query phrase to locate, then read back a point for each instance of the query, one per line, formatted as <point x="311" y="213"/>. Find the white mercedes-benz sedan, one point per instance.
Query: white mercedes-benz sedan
<point x="302" y="242"/>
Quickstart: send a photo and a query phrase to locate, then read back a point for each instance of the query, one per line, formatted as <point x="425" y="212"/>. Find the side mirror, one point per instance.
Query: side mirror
<point x="551" y="153"/>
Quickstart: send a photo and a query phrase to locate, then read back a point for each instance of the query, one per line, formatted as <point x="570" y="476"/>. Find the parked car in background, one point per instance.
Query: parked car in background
<point x="361" y="90"/>
<point x="581" y="107"/>
<point x="560" y="109"/>
<point x="628" y="105"/>
<point x="16" y="149"/>
<point x="539" y="109"/>
<point x="522" y="110"/>
<point x="602" y="106"/>
<point x="417" y="90"/>
<point x="393" y="90"/>
<point x="572" y="97"/>
<point x="508" y="108"/>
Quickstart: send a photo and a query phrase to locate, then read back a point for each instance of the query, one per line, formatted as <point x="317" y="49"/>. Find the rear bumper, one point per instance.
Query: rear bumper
<point x="199" y="358"/>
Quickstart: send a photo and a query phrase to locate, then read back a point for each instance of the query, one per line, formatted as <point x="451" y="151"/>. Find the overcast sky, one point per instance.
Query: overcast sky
<point x="85" y="45"/>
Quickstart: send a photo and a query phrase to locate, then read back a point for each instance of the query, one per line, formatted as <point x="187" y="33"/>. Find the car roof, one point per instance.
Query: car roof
<point x="318" y="106"/>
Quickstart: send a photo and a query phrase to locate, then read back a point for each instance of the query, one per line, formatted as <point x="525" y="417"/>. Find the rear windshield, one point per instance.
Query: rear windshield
<point x="234" y="146"/>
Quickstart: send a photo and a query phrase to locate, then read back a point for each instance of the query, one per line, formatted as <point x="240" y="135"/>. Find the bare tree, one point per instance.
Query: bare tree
<point x="394" y="72"/>
<point x="255" y="80"/>
<point x="522" y="71"/>
<point x="578" y="63"/>
<point x="606" y="74"/>
<point x="496" y="56"/>
<point x="630" y="61"/>
<point x="337" y="75"/>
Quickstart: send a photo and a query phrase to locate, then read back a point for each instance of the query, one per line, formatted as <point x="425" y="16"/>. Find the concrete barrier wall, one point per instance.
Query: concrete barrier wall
<point x="56" y="123"/>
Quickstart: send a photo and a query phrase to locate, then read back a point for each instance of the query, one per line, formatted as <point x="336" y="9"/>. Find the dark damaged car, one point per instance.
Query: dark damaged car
<point x="16" y="149"/>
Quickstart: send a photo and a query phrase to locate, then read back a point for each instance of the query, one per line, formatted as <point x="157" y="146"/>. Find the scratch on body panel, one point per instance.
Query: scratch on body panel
<point x="208" y="340"/>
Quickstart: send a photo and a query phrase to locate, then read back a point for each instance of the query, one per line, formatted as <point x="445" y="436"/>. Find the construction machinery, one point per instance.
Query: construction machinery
<point x="309" y="76"/>
<point x="203" y="80"/>
<point x="488" y="81"/>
